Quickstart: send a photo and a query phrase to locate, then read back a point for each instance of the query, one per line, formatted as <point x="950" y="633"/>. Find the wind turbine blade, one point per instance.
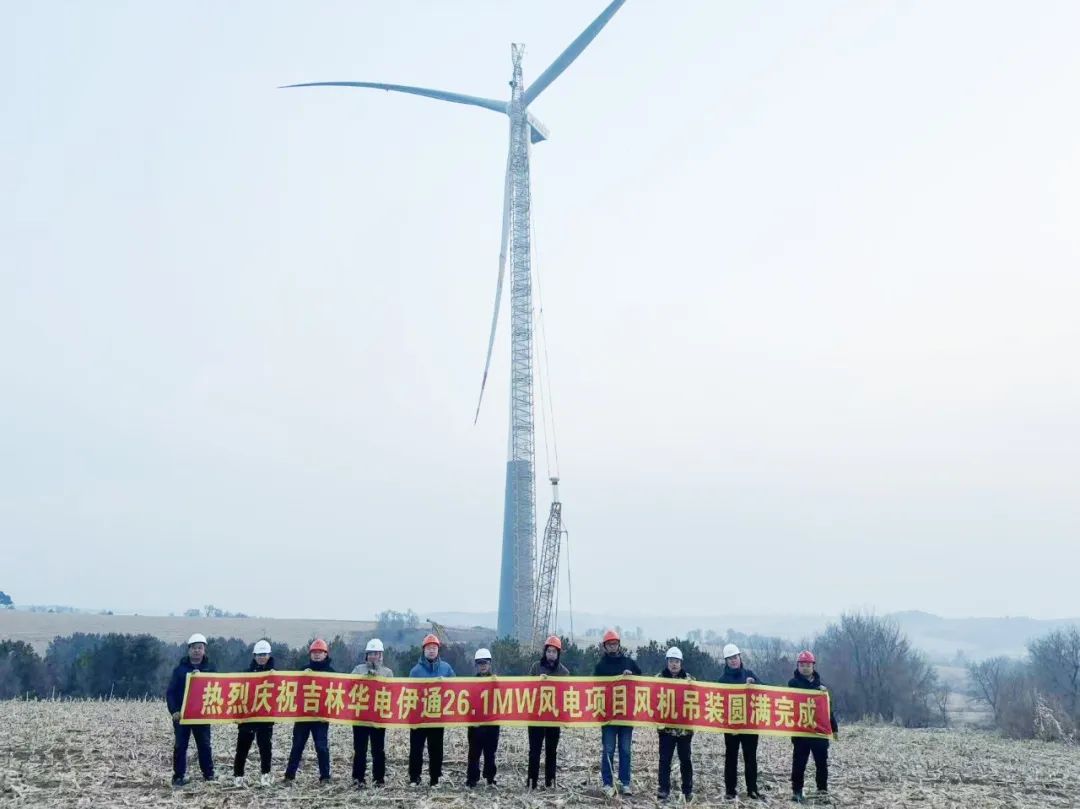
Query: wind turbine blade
<point x="567" y="57"/>
<point x="498" y="284"/>
<point x="538" y="131"/>
<point x="442" y="95"/>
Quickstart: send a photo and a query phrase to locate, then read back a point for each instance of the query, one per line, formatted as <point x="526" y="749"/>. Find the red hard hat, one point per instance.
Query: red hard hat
<point x="806" y="656"/>
<point x="429" y="639"/>
<point x="554" y="641"/>
<point x="610" y="635"/>
<point x="318" y="645"/>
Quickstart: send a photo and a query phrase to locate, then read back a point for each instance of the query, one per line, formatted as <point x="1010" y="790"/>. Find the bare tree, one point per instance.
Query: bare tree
<point x="874" y="671"/>
<point x="988" y="681"/>
<point x="1055" y="664"/>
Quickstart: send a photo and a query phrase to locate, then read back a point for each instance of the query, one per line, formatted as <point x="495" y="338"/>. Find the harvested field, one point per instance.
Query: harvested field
<point x="55" y="754"/>
<point x="38" y="628"/>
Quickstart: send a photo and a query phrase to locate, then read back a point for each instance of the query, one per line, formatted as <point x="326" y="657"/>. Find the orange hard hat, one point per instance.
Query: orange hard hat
<point x="429" y="639"/>
<point x="318" y="645"/>
<point x="554" y="641"/>
<point x="610" y="635"/>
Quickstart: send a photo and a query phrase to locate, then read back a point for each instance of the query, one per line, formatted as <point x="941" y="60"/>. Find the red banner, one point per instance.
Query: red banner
<point x="589" y="702"/>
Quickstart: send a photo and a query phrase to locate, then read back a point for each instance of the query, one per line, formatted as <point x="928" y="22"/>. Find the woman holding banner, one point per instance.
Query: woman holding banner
<point x="735" y="672"/>
<point x="260" y="732"/>
<point x="541" y="736"/>
<point x="362" y="734"/>
<point x="672" y="739"/>
<point x="615" y="663"/>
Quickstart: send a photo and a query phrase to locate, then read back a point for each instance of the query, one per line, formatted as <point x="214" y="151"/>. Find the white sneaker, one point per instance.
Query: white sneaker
<point x="626" y="789"/>
<point x="609" y="792"/>
<point x="265" y="779"/>
<point x="238" y="781"/>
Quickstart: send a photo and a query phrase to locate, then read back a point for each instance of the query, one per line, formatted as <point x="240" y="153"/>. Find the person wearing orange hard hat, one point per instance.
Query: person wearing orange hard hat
<point x="806" y="676"/>
<point x="542" y="736"/>
<point x="429" y="665"/>
<point x="319" y="660"/>
<point x="614" y="662"/>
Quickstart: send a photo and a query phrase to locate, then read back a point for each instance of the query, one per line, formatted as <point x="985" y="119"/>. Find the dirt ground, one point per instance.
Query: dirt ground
<point x="82" y="754"/>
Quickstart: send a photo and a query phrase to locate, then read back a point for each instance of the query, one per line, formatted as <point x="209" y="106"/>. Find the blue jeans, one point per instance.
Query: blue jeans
<point x="611" y="735"/>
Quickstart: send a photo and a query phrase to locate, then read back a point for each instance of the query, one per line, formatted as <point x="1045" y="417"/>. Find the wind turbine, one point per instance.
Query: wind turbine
<point x="516" y="583"/>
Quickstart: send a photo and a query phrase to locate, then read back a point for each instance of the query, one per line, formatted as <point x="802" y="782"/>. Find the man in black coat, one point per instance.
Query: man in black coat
<point x="195" y="660"/>
<point x="318" y="729"/>
<point x="806" y="676"/>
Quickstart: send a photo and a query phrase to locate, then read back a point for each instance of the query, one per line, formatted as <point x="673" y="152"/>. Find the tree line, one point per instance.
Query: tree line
<point x="1034" y="698"/>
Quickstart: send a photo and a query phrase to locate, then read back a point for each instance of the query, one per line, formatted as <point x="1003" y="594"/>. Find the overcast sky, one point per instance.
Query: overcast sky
<point x="811" y="275"/>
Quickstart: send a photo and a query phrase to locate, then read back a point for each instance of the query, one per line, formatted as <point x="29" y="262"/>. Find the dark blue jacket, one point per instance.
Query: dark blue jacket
<point x="737" y="676"/>
<point x="174" y="694"/>
<point x="432" y="668"/>
<point x="813" y="684"/>
<point x="322" y="665"/>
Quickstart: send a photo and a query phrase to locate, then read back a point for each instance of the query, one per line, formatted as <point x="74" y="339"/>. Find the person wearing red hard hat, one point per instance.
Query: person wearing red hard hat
<point x="318" y="660"/>
<point x="542" y="737"/>
<point x="806" y="676"/>
<point x="615" y="663"/>
<point x="430" y="665"/>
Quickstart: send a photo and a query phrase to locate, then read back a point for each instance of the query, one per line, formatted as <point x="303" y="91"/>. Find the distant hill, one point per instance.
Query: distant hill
<point x="940" y="638"/>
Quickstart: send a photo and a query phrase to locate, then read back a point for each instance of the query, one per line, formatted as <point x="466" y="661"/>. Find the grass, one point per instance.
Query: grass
<point x="55" y="754"/>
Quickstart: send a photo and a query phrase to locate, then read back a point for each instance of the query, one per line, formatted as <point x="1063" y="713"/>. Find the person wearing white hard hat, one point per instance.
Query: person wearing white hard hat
<point x="195" y="660"/>
<point x="736" y="673"/>
<point x="262" y="659"/>
<point x="362" y="735"/>
<point x="483" y="739"/>
<point x="675" y="738"/>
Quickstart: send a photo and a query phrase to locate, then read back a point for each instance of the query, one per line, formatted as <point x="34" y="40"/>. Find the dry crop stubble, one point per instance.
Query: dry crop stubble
<point x="85" y="754"/>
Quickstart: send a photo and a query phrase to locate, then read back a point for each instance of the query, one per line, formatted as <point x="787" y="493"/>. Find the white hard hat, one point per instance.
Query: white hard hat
<point x="731" y="650"/>
<point x="674" y="652"/>
<point x="373" y="645"/>
<point x="197" y="638"/>
<point x="482" y="654"/>
<point x="262" y="648"/>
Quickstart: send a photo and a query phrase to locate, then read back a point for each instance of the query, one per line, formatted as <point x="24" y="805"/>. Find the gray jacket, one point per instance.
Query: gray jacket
<point x="381" y="671"/>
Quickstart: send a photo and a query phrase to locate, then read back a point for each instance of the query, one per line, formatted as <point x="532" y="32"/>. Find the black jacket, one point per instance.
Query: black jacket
<point x="614" y="665"/>
<point x="682" y="675"/>
<point x="322" y="665"/>
<point x="737" y="676"/>
<point x="812" y="684"/>
<point x="256" y="667"/>
<point x="174" y="694"/>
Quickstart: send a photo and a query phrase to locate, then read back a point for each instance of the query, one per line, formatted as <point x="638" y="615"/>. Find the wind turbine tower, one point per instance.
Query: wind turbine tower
<point x="516" y="582"/>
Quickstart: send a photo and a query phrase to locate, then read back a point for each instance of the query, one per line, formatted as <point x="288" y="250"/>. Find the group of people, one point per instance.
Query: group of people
<point x="483" y="740"/>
